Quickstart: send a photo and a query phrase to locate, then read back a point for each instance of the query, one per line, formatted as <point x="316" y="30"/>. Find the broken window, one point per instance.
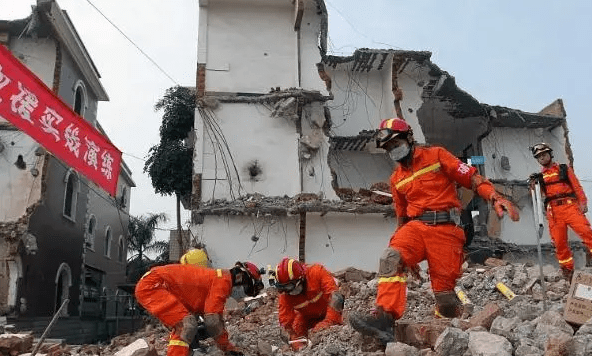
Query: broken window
<point x="70" y="195"/>
<point x="90" y="232"/>
<point x="91" y="292"/>
<point x="121" y="250"/>
<point x="108" y="239"/>
<point x="79" y="98"/>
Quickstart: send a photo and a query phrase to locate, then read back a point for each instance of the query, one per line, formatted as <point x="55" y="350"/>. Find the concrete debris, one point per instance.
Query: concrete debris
<point x="497" y="326"/>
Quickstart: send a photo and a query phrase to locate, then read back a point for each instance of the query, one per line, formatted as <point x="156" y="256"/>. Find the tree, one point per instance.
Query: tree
<point x="140" y="241"/>
<point x="169" y="163"/>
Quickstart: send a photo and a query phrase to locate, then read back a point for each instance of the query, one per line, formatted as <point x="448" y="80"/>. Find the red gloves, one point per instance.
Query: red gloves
<point x="500" y="204"/>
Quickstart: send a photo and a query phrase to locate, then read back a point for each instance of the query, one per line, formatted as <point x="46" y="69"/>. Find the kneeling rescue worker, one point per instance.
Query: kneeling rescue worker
<point x="423" y="187"/>
<point x="177" y="293"/>
<point x="566" y="204"/>
<point x="309" y="300"/>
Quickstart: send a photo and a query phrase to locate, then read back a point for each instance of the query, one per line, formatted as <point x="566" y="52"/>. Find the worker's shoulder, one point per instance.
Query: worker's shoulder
<point x="316" y="268"/>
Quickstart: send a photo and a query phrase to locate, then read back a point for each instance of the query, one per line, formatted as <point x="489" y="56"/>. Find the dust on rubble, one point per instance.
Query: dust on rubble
<point x="253" y="325"/>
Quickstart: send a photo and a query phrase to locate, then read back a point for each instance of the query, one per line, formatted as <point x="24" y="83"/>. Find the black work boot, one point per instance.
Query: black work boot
<point x="377" y="323"/>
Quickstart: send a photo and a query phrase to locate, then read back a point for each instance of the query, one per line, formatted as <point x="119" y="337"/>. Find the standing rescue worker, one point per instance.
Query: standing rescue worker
<point x="423" y="187"/>
<point x="309" y="300"/>
<point x="566" y="204"/>
<point x="177" y="293"/>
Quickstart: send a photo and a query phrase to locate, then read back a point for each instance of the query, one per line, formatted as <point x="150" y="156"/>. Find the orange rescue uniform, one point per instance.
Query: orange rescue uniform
<point x="311" y="309"/>
<point x="428" y="184"/>
<point x="175" y="291"/>
<point x="563" y="209"/>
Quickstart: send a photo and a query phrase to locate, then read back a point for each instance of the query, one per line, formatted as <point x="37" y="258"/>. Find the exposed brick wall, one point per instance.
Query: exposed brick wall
<point x="201" y="80"/>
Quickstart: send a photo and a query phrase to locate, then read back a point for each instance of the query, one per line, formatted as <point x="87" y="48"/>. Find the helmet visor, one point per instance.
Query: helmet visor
<point x="385" y="135"/>
<point x="288" y="286"/>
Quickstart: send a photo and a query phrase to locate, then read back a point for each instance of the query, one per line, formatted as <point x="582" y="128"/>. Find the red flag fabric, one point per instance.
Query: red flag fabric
<point x="32" y="107"/>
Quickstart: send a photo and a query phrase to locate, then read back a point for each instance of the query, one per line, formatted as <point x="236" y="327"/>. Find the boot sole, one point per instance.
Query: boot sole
<point x="383" y="336"/>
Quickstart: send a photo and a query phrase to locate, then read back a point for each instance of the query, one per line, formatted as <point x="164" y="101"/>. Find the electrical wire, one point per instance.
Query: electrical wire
<point x="133" y="43"/>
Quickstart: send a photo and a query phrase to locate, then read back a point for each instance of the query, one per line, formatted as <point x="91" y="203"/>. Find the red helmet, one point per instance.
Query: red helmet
<point x="253" y="285"/>
<point x="391" y="128"/>
<point x="289" y="270"/>
<point x="290" y="274"/>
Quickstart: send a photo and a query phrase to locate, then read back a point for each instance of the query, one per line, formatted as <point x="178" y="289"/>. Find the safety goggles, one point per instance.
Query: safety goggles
<point x="385" y="135"/>
<point x="538" y="149"/>
<point x="287" y="287"/>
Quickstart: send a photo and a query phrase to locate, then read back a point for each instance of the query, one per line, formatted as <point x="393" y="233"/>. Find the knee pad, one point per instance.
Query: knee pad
<point x="390" y="263"/>
<point x="448" y="304"/>
<point x="214" y="324"/>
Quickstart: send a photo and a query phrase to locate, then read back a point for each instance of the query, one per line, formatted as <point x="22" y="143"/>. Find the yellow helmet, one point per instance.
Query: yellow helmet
<point x="196" y="257"/>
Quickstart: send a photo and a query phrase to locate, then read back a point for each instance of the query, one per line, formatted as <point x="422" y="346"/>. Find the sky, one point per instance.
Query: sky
<point x="518" y="54"/>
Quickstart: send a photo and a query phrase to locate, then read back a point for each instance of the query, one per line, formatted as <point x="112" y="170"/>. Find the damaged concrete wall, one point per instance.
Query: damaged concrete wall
<point x="251" y="47"/>
<point x="332" y="239"/>
<point x="310" y="31"/>
<point x="261" y="240"/>
<point x="355" y="169"/>
<point x="38" y="54"/>
<point x="513" y="144"/>
<point x="508" y="158"/>
<point x="20" y="187"/>
<point x="314" y="151"/>
<point x="261" y="149"/>
<point x="361" y="99"/>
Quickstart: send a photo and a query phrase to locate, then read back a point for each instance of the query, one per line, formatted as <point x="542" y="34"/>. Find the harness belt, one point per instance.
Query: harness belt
<point x="560" y="199"/>
<point x="439" y="217"/>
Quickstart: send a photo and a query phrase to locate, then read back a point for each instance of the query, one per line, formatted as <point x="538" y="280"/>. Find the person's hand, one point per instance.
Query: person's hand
<point x="583" y="208"/>
<point x="500" y="204"/>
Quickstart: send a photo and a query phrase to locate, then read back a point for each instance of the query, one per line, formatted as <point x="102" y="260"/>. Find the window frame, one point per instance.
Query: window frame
<point x="71" y="174"/>
<point x="107" y="242"/>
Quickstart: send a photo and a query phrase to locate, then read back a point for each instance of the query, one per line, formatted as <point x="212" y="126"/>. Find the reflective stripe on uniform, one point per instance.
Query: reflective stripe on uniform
<point x="394" y="279"/>
<point x="419" y="173"/>
<point x="313" y="300"/>
<point x="549" y="175"/>
<point x="565" y="261"/>
<point x="178" y="343"/>
<point x="219" y="272"/>
<point x="145" y="274"/>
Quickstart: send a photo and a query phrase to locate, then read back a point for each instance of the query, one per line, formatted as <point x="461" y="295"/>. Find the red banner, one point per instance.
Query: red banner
<point x="32" y="107"/>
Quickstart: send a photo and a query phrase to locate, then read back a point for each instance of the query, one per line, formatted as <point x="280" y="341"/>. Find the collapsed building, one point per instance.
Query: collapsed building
<point x="63" y="240"/>
<point x="284" y="157"/>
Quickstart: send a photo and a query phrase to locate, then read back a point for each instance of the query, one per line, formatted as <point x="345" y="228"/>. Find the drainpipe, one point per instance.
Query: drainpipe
<point x="302" y="219"/>
<point x="302" y="237"/>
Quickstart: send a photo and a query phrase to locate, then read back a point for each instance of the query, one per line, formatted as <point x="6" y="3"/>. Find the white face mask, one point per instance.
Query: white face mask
<point x="400" y="152"/>
<point x="297" y="290"/>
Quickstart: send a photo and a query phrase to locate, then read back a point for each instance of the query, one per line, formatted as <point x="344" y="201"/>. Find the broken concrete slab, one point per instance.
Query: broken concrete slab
<point x="487" y="344"/>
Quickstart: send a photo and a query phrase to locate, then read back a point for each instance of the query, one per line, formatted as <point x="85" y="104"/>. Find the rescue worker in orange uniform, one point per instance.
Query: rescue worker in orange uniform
<point x="424" y="190"/>
<point x="566" y="204"/>
<point x="309" y="300"/>
<point x="177" y="293"/>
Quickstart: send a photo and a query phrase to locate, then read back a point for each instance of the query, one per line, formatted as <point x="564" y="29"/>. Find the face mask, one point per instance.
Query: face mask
<point x="400" y="152"/>
<point x="297" y="290"/>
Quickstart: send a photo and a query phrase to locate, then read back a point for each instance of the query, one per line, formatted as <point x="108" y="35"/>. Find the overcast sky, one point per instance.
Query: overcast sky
<point x="518" y="54"/>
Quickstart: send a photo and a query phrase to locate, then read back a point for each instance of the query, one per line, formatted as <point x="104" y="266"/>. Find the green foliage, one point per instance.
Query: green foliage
<point x="140" y="241"/>
<point x="178" y="104"/>
<point x="169" y="163"/>
<point x="169" y="166"/>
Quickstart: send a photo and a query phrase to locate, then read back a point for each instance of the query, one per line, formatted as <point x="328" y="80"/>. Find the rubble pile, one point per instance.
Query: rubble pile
<point x="493" y="323"/>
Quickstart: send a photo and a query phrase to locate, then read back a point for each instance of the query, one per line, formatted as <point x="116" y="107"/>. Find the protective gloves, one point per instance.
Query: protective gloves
<point x="500" y="204"/>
